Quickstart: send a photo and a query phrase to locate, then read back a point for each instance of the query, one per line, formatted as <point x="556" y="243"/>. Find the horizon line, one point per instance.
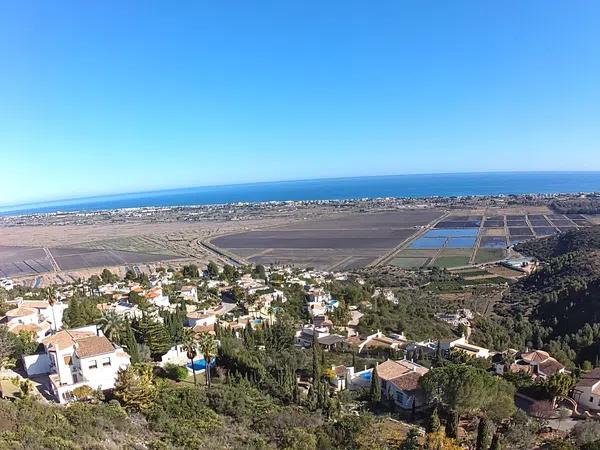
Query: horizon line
<point x="295" y="180"/>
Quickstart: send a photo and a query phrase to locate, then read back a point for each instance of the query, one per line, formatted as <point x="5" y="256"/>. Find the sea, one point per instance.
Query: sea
<point x="400" y="186"/>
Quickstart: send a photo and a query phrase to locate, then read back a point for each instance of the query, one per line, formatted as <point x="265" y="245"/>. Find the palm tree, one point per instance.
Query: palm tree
<point x="51" y="293"/>
<point x="112" y="326"/>
<point x="208" y="347"/>
<point x="189" y="343"/>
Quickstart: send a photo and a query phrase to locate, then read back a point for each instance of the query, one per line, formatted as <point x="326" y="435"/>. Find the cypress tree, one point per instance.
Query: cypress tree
<point x="316" y="370"/>
<point x="452" y="424"/>
<point x="433" y="425"/>
<point x="496" y="442"/>
<point x="375" y="387"/>
<point x="131" y="345"/>
<point x="483" y="434"/>
<point x="412" y="440"/>
<point x="438" y="353"/>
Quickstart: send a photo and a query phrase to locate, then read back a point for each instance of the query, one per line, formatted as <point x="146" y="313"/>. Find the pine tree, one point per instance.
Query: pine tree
<point x="375" y="387"/>
<point x="155" y="336"/>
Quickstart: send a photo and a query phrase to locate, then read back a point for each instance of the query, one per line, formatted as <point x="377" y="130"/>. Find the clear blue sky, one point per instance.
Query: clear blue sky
<point x="122" y="96"/>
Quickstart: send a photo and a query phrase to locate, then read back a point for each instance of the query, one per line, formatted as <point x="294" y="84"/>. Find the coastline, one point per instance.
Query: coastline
<point x="426" y="187"/>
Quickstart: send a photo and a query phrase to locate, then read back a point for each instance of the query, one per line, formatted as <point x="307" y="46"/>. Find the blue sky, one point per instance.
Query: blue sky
<point x="123" y="96"/>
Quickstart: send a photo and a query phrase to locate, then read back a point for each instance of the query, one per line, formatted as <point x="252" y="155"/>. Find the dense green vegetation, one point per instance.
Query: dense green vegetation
<point x="583" y="240"/>
<point x="413" y="315"/>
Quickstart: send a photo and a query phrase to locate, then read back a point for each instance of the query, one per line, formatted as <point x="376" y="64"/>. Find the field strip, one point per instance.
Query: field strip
<point x="339" y="263"/>
<point x="55" y="265"/>
<point x="478" y="241"/>
<point x="393" y="252"/>
<point x="261" y="253"/>
<point x="236" y="260"/>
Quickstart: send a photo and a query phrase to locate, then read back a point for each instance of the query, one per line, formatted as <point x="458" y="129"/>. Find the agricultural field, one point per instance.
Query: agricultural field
<point x="479" y="239"/>
<point x="340" y="243"/>
<point x="19" y="261"/>
<point x="144" y="244"/>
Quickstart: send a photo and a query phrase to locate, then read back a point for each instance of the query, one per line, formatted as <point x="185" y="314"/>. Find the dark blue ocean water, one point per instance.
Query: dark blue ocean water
<point x="335" y="189"/>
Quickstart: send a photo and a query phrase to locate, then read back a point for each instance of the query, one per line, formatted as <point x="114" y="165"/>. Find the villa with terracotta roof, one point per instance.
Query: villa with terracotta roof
<point x="400" y="382"/>
<point x="75" y="358"/>
<point x="35" y="316"/>
<point x="537" y="363"/>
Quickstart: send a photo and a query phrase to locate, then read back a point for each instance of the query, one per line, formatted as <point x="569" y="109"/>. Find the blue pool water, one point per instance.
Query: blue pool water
<point x="452" y="232"/>
<point x="366" y="376"/>
<point x="200" y="364"/>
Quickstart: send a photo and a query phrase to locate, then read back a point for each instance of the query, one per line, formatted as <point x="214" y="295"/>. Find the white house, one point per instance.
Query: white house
<point x="343" y="376"/>
<point x="7" y="284"/>
<point x="587" y="391"/>
<point x="201" y="318"/>
<point x="123" y="309"/>
<point x="75" y="358"/>
<point x="156" y="297"/>
<point x="379" y="340"/>
<point x="471" y="350"/>
<point x="537" y="363"/>
<point x="36" y="316"/>
<point x="189" y="293"/>
<point x="308" y="333"/>
<point x="318" y="295"/>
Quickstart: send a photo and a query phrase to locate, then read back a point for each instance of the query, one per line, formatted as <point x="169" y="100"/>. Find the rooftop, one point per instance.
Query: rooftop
<point x="93" y="346"/>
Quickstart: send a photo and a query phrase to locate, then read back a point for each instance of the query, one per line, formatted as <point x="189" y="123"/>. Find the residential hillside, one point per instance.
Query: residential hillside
<point x="557" y="307"/>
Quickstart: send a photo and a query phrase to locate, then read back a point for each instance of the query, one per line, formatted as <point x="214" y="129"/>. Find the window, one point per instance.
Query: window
<point x="591" y="399"/>
<point x="400" y="397"/>
<point x="93" y="364"/>
<point x="106" y="362"/>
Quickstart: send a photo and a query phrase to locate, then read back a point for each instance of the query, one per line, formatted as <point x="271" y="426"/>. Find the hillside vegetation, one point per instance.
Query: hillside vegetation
<point x="585" y="239"/>
<point x="556" y="308"/>
<point x="577" y="206"/>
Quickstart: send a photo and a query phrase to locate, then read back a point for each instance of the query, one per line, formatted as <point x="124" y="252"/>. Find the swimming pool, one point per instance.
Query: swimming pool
<point x="366" y="376"/>
<point x="200" y="364"/>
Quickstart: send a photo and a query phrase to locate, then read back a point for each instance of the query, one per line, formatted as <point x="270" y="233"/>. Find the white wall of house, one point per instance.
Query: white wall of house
<point x="37" y="364"/>
<point x="587" y="399"/>
<point x="175" y="355"/>
<point x="203" y="322"/>
<point x="398" y="396"/>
